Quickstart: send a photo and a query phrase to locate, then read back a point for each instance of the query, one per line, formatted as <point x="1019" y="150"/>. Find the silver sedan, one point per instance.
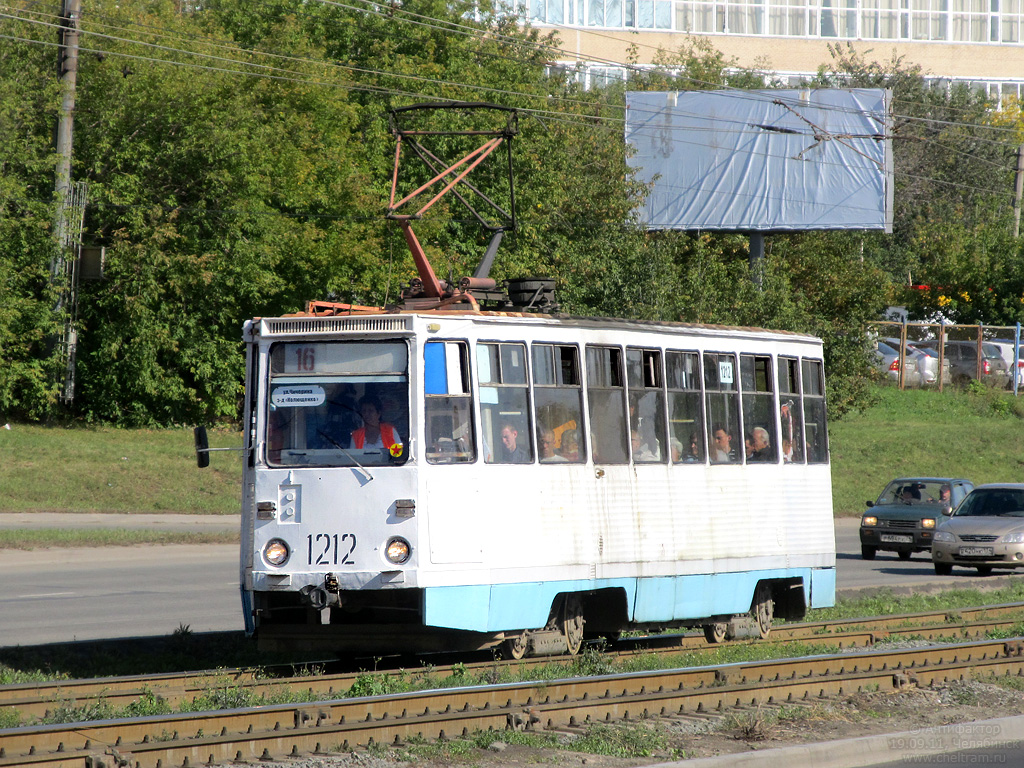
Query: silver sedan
<point x="986" y="531"/>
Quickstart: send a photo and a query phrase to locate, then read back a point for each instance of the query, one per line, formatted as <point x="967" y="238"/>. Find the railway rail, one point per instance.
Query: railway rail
<point x="278" y="731"/>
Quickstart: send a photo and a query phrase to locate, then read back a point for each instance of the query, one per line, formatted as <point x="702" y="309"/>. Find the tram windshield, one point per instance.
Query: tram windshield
<point x="338" y="404"/>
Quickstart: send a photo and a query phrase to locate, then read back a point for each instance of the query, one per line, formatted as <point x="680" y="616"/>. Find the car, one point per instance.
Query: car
<point x="1013" y="355"/>
<point x="963" y="360"/>
<point x="904" y="516"/>
<point x="888" y="361"/>
<point x="928" y="365"/>
<point x="985" y="531"/>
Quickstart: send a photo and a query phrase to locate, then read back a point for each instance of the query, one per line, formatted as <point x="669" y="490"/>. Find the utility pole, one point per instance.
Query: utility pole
<point x="1018" y="188"/>
<point x="67" y="202"/>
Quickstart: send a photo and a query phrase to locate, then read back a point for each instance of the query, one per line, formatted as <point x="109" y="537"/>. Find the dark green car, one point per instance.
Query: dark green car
<point x="903" y="518"/>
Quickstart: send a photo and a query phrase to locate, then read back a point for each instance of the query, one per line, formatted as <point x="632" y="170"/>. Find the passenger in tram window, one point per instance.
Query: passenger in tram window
<point x="546" y="448"/>
<point x="676" y="446"/>
<point x="513" y="452"/>
<point x="375" y="433"/>
<point x="571" y="446"/>
<point x="748" y="445"/>
<point x="722" y="451"/>
<point x="641" y="450"/>
<point x="693" y="454"/>
<point x="787" y="450"/>
<point x="761" y="448"/>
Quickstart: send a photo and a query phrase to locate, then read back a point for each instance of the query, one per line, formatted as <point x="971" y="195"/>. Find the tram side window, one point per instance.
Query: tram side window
<point x="685" y="414"/>
<point x="338" y="403"/>
<point x="814" y="412"/>
<point x="504" y="404"/>
<point x="646" y="406"/>
<point x="609" y="432"/>
<point x="558" y="403"/>
<point x="791" y="410"/>
<point x="725" y="439"/>
<point x="447" y="407"/>
<point x="758" y="409"/>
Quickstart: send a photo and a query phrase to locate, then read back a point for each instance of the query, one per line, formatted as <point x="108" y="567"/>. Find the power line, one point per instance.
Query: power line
<point x="268" y="70"/>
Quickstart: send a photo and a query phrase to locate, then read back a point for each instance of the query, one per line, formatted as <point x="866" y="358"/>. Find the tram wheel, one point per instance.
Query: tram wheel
<point x="764" y="610"/>
<point x="516" y="647"/>
<point x="572" y="624"/>
<point x="716" y="633"/>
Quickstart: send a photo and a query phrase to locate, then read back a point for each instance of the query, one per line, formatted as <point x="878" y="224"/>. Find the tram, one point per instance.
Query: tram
<point x="532" y="480"/>
<point x="454" y="474"/>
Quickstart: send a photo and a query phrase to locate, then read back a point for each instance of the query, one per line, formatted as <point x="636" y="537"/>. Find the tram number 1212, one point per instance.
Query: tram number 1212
<point x="327" y="547"/>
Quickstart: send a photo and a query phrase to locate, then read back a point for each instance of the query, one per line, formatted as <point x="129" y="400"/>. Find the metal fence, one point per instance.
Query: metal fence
<point x="941" y="355"/>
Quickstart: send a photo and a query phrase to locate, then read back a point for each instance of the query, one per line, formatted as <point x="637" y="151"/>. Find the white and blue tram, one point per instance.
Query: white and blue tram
<point x="451" y="479"/>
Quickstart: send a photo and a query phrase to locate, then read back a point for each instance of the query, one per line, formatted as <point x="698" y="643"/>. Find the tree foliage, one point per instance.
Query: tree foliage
<point x="238" y="161"/>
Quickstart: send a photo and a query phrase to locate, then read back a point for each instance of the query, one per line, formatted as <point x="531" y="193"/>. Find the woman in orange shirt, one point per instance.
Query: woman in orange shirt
<point x="375" y="433"/>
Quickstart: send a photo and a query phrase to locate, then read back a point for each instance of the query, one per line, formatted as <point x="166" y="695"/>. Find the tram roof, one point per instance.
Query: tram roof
<point x="580" y="321"/>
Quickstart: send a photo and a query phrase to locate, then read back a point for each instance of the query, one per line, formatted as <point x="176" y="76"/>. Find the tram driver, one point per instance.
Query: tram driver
<point x="375" y="433"/>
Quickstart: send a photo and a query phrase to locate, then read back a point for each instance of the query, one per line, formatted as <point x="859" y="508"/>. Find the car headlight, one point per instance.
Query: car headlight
<point x="1013" y="538"/>
<point x="398" y="550"/>
<point x="276" y="552"/>
<point x="944" y="536"/>
<point x="870" y="520"/>
<point x="927" y="522"/>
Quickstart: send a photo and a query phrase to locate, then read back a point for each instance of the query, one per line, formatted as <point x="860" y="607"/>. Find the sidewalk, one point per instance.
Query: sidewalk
<point x="98" y="520"/>
<point x="915" y="746"/>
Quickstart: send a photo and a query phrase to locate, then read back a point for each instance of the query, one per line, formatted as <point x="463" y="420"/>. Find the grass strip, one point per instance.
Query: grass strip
<point x="107" y="537"/>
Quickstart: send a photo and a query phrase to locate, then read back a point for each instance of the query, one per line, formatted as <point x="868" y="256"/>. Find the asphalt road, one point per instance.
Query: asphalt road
<point x="63" y="595"/>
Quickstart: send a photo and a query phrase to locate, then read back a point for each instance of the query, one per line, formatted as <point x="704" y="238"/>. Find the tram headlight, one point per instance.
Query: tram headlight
<point x="397" y="551"/>
<point x="276" y="552"/>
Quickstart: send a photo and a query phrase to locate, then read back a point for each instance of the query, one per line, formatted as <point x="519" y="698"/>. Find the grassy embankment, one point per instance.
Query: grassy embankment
<point x="977" y="434"/>
<point x="107" y="470"/>
<point x="974" y="434"/>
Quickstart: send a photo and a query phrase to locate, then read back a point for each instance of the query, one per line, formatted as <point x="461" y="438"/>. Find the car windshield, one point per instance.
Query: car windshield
<point x="993" y="502"/>
<point x="909" y="491"/>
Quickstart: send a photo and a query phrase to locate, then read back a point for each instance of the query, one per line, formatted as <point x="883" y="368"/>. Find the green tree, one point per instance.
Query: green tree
<point x="28" y="370"/>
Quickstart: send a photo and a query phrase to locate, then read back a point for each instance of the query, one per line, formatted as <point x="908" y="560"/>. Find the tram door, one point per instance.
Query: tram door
<point x="609" y="442"/>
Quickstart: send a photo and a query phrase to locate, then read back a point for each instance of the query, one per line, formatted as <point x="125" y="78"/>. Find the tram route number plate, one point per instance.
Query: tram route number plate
<point x="895" y="538"/>
<point x="976" y="551"/>
<point x="331" y="549"/>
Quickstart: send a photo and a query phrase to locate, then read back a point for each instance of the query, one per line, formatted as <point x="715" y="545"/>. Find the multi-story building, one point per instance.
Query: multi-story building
<point x="980" y="42"/>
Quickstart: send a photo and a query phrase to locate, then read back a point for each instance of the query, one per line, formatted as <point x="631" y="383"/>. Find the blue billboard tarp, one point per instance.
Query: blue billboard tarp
<point x="769" y="160"/>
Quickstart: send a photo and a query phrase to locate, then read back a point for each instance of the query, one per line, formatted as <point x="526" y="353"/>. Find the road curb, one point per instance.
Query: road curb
<point x="872" y="750"/>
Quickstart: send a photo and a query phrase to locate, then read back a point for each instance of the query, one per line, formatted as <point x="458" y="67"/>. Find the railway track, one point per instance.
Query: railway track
<point x="333" y="723"/>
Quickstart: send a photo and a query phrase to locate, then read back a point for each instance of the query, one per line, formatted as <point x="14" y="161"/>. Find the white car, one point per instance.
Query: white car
<point x="1006" y="351"/>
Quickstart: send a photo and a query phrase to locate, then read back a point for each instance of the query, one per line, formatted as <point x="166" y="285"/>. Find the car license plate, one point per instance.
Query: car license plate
<point x="976" y="551"/>
<point x="895" y="538"/>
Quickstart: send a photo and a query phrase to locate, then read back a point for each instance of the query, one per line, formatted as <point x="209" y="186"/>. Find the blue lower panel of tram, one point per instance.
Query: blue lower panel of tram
<point x="497" y="607"/>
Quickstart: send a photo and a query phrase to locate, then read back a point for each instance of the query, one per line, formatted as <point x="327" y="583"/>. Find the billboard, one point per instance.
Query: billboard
<point x="766" y="160"/>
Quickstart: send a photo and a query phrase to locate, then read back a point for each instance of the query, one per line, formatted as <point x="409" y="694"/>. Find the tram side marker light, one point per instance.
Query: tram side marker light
<point x="266" y="510"/>
<point x="405" y="507"/>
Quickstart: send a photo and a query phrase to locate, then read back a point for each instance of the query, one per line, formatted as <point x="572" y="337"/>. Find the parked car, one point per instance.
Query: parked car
<point x="985" y="531"/>
<point x="963" y="360"/>
<point x="904" y="516"/>
<point x="888" y="361"/>
<point x="1006" y="351"/>
<point x="929" y="366"/>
